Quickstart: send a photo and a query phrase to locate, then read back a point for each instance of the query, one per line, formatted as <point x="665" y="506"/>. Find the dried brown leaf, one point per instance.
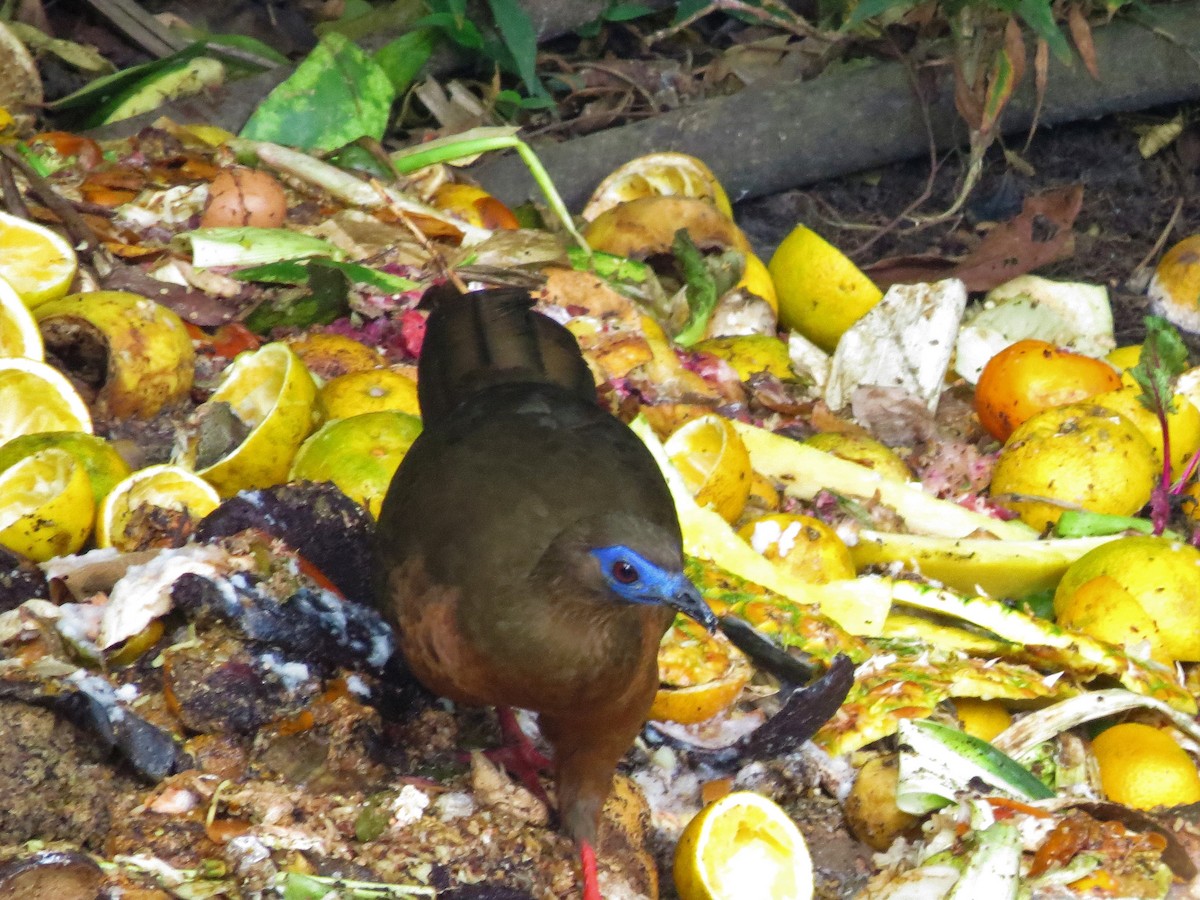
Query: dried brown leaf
<point x="1081" y="34"/>
<point x="1014" y="46"/>
<point x="1039" y="235"/>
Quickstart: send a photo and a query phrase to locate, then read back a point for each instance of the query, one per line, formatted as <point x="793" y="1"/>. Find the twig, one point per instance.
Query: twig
<point x="934" y="164"/>
<point x="80" y="231"/>
<point x="788" y="21"/>
<point x="139" y="26"/>
<point x="1162" y="239"/>
<point x="13" y="201"/>
<point x="435" y="255"/>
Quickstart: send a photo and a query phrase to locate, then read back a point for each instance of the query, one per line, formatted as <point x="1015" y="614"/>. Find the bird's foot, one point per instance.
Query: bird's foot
<point x="518" y="755"/>
<point x="591" y="875"/>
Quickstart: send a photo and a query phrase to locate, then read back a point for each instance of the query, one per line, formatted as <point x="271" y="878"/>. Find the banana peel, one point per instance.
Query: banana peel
<point x="1006" y="568"/>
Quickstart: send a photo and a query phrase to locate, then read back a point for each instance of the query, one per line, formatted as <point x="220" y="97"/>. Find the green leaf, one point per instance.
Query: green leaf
<point x="360" y="160"/>
<point x="403" y="58"/>
<point x="520" y="37"/>
<point x="324" y="302"/>
<point x="624" y="12"/>
<point x="1076" y="523"/>
<point x="97" y="92"/>
<point x="1039" y="15"/>
<point x="299" y="271"/>
<point x="462" y="31"/>
<point x="869" y="9"/>
<point x="1000" y="88"/>
<point x="337" y="95"/>
<point x="1163" y="359"/>
<point x="247" y="43"/>
<point x="686" y="8"/>
<point x="606" y="265"/>
<point x="248" y="246"/>
<point x="43" y="165"/>
<point x="701" y="288"/>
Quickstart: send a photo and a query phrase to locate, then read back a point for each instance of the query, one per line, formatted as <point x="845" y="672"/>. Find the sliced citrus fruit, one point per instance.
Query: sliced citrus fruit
<point x="1103" y="608"/>
<point x="271" y="392"/>
<point x="756" y="278"/>
<point x="19" y="335"/>
<point x="373" y="390"/>
<point x="666" y="174"/>
<point x="647" y="226"/>
<point x="804" y="546"/>
<point x="327" y="354"/>
<point x="36" y="397"/>
<point x="103" y="464"/>
<point x="153" y="507"/>
<point x="743" y="845"/>
<point x="1161" y="575"/>
<point x="983" y="719"/>
<point x="474" y="205"/>
<point x="751" y="354"/>
<point x="713" y="462"/>
<point x="700" y="674"/>
<point x="37" y="262"/>
<point x="359" y="454"/>
<point x="1143" y="767"/>
<point x="135" y="352"/>
<point x="821" y="292"/>
<point x="47" y="507"/>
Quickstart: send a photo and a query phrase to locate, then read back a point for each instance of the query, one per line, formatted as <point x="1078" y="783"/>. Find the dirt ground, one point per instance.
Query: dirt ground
<point x="1128" y="202"/>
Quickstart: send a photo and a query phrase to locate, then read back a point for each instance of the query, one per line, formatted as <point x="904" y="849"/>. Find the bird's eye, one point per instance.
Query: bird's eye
<point x="624" y="572"/>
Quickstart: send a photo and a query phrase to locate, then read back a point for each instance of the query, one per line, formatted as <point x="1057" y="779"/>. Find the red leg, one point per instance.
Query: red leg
<point x="591" y="877"/>
<point x="519" y="741"/>
<point x="518" y="755"/>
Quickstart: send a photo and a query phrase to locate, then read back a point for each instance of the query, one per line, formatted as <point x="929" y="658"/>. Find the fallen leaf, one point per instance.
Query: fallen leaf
<point x="1081" y="34"/>
<point x="1039" y="235"/>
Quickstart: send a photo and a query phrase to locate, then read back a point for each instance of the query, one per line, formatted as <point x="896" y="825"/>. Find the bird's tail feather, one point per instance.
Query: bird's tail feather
<point x="476" y="340"/>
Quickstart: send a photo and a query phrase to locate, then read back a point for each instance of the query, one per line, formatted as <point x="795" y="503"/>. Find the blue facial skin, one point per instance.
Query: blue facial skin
<point x="635" y="579"/>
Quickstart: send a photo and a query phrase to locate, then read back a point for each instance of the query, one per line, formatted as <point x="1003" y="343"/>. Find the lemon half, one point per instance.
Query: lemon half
<point x="666" y="174"/>
<point x="37" y="262"/>
<point x="126" y="516"/>
<point x="1144" y="767"/>
<point x="48" y="507"/>
<point x="19" y="334"/>
<point x="740" y="846"/>
<point x="271" y="391"/>
<point x="713" y="462"/>
<point x="821" y="292"/>
<point x="36" y="397"/>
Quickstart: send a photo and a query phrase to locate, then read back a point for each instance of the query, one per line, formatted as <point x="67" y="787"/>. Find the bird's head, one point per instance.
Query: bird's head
<point x="635" y="579"/>
<point x="623" y="558"/>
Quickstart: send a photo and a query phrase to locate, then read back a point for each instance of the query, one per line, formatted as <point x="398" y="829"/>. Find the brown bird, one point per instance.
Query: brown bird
<point x="529" y="549"/>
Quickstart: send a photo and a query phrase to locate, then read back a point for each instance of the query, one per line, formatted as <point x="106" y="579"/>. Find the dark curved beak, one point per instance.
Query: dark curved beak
<point x="687" y="600"/>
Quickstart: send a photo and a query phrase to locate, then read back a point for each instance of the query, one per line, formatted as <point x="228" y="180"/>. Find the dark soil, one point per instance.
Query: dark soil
<point x="1128" y="202"/>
